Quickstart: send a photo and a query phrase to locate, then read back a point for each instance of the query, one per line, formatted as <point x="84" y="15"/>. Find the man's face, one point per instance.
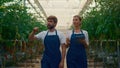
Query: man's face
<point x="50" y="24"/>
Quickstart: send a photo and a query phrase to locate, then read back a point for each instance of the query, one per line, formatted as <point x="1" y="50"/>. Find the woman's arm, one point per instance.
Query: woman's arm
<point x="83" y="41"/>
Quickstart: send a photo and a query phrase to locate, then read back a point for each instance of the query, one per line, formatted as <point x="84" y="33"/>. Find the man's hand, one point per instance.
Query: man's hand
<point x="31" y="35"/>
<point x="35" y="29"/>
<point x="61" y="65"/>
<point x="67" y="42"/>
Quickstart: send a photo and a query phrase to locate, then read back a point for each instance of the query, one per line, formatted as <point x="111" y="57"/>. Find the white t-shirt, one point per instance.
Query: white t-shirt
<point x="41" y="36"/>
<point x="69" y="34"/>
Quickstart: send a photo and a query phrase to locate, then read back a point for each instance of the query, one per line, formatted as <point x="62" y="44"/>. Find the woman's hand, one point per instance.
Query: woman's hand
<point x="83" y="41"/>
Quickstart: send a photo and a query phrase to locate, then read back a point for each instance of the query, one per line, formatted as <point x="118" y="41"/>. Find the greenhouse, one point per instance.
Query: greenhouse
<point x="23" y="21"/>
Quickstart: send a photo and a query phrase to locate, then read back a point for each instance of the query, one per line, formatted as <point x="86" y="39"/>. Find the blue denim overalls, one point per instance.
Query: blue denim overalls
<point x="52" y="56"/>
<point x="76" y="55"/>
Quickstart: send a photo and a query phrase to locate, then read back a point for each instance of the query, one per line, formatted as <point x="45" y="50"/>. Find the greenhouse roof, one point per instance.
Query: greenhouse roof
<point x="64" y="10"/>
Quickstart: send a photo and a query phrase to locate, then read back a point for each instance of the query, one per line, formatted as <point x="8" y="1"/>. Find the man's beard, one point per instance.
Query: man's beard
<point x="50" y="26"/>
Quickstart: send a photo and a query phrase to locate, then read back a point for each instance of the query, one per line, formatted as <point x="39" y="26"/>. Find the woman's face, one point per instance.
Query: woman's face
<point x="76" y="22"/>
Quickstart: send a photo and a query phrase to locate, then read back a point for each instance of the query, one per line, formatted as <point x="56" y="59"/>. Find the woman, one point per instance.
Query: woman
<point x="77" y="40"/>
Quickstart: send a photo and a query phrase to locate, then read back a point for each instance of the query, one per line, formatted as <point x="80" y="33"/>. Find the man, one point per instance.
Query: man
<point x="52" y="40"/>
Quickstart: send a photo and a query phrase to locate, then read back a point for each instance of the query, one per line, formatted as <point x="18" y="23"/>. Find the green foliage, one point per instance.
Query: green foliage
<point x="16" y="23"/>
<point x="102" y="22"/>
<point x="4" y="1"/>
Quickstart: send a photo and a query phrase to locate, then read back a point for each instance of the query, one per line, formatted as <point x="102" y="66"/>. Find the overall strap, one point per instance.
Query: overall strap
<point x="73" y="31"/>
<point x="81" y="31"/>
<point x="47" y="33"/>
<point x="56" y="31"/>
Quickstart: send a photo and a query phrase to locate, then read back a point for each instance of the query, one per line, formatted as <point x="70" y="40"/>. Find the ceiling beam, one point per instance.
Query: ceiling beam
<point x="40" y="7"/>
<point x="85" y="7"/>
<point x="36" y="10"/>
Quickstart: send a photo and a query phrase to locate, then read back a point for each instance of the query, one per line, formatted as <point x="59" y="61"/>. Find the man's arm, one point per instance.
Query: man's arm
<point x="63" y="52"/>
<point x="63" y="47"/>
<point x="67" y="42"/>
<point x="31" y="36"/>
